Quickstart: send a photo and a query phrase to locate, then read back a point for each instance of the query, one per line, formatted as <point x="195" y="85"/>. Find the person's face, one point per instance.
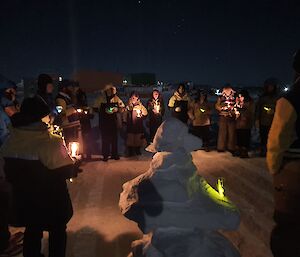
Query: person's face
<point x="270" y="88"/>
<point x="49" y="88"/>
<point x="181" y="90"/>
<point x="109" y="92"/>
<point x="134" y="99"/>
<point x="202" y="98"/>
<point x="46" y="119"/>
<point x="242" y="98"/>
<point x="155" y="95"/>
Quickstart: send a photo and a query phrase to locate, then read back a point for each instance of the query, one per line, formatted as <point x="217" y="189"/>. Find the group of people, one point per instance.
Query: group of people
<point x="115" y="116"/>
<point x="237" y="113"/>
<point x="33" y="178"/>
<point x="37" y="162"/>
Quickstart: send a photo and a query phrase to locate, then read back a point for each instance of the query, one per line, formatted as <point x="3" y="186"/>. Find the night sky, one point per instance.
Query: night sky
<point x="210" y="41"/>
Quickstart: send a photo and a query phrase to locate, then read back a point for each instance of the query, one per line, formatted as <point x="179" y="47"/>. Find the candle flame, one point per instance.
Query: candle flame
<point x="74" y="148"/>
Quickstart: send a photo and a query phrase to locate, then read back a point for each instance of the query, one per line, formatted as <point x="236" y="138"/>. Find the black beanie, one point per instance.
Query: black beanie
<point x="43" y="80"/>
<point x="296" y="63"/>
<point x="33" y="109"/>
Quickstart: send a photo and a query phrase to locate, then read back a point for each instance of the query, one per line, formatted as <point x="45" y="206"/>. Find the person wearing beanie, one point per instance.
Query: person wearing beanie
<point x="37" y="165"/>
<point x="283" y="159"/>
<point x="264" y="113"/>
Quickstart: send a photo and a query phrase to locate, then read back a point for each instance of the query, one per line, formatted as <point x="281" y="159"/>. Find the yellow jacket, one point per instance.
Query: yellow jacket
<point x="37" y="143"/>
<point x="282" y="134"/>
<point x="177" y="97"/>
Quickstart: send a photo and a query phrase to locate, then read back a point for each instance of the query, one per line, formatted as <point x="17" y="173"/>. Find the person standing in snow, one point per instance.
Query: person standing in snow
<point x="10" y="245"/>
<point x="244" y="122"/>
<point x="200" y="114"/>
<point x="85" y="115"/>
<point x="133" y="118"/>
<point x="265" y="109"/>
<point x="66" y="111"/>
<point x="227" y="121"/>
<point x="283" y="159"/>
<point x="108" y="105"/>
<point x="37" y="165"/>
<point x="45" y="91"/>
<point x="156" y="110"/>
<point x="179" y="103"/>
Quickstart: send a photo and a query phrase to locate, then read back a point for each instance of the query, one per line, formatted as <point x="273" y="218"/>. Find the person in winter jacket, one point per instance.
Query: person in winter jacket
<point x="179" y="103"/>
<point x="67" y="117"/>
<point x="244" y="122"/>
<point x="225" y="105"/>
<point x="265" y="109"/>
<point x="156" y="110"/>
<point x="85" y="115"/>
<point x="64" y="103"/>
<point x="37" y="165"/>
<point x="9" y="101"/>
<point x="200" y="114"/>
<point x="45" y="91"/>
<point x="10" y="245"/>
<point x="133" y="118"/>
<point x="108" y="105"/>
<point x="283" y="159"/>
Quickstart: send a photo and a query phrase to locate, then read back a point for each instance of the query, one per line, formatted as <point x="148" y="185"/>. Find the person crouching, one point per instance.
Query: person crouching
<point x="37" y="165"/>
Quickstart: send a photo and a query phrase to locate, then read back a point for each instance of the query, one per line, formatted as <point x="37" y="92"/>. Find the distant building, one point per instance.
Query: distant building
<point x="147" y="79"/>
<point x="91" y="80"/>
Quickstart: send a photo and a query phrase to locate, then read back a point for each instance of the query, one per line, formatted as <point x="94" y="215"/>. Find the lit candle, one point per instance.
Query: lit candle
<point x="74" y="149"/>
<point x="139" y="113"/>
<point x="59" y="108"/>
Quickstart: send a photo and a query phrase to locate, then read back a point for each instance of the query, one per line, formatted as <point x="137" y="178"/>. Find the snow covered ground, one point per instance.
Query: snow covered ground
<point x="98" y="229"/>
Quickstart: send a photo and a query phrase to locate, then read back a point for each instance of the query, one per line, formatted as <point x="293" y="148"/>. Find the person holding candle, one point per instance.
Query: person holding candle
<point x="85" y="115"/>
<point x="108" y="105"/>
<point x="156" y="110"/>
<point x="265" y="109"/>
<point x="200" y="115"/>
<point x="179" y="103"/>
<point x="244" y="122"/>
<point x="133" y="118"/>
<point x="225" y="105"/>
<point x="37" y="164"/>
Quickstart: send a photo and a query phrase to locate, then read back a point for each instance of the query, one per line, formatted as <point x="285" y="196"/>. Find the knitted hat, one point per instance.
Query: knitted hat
<point x="33" y="109"/>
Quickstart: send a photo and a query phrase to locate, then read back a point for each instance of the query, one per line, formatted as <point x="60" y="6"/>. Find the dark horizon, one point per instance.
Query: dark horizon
<point x="208" y="43"/>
